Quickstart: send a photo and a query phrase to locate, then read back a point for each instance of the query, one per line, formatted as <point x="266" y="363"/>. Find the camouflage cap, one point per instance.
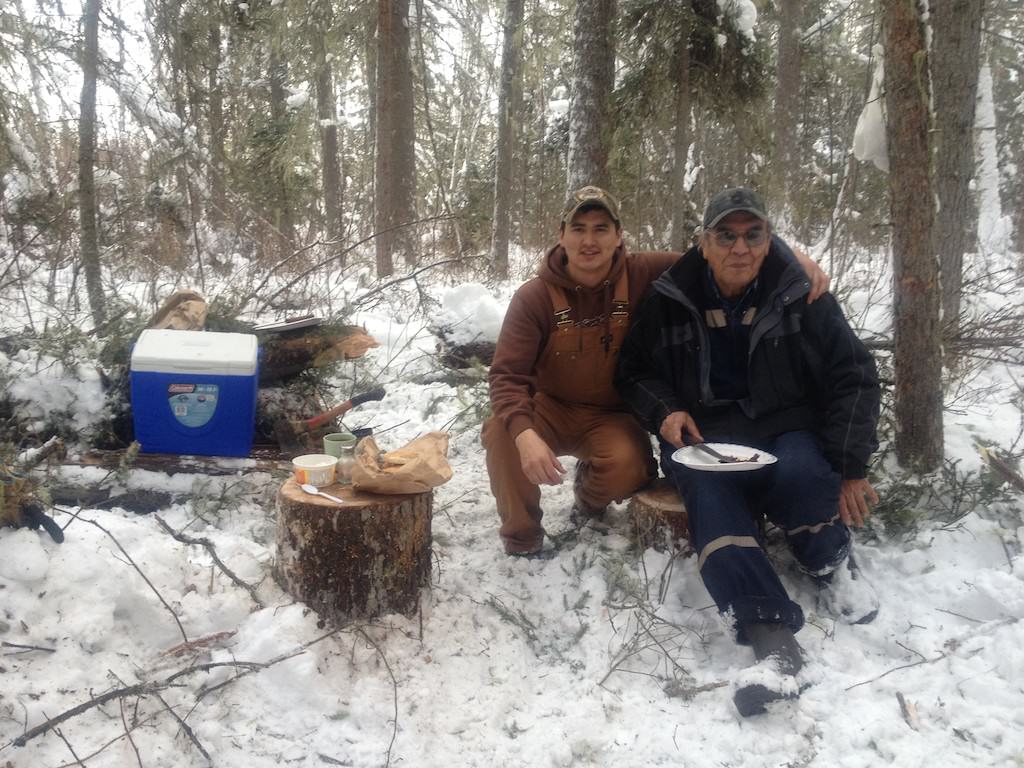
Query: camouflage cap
<point x="588" y="198"/>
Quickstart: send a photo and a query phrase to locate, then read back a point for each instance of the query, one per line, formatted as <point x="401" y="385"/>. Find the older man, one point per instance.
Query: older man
<point x="724" y="348"/>
<point x="551" y="378"/>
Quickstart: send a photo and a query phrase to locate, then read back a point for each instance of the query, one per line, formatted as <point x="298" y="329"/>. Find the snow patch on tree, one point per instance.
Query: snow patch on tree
<point x="869" y="143"/>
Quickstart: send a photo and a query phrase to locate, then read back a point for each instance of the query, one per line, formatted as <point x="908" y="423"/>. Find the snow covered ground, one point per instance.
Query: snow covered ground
<point x="599" y="656"/>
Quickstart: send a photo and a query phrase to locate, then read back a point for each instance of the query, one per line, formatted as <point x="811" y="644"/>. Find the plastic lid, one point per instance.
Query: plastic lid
<point x="202" y="352"/>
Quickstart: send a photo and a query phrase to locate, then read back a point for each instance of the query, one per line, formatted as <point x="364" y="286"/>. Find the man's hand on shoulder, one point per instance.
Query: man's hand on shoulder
<point x="819" y="280"/>
<point x="856" y="497"/>
<point x="540" y="465"/>
<point x="676" y="425"/>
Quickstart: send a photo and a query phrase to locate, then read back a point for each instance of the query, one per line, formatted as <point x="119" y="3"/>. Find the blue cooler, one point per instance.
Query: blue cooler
<point x="194" y="392"/>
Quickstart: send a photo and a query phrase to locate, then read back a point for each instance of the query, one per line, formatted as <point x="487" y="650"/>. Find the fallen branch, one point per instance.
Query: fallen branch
<point x="186" y="728"/>
<point x="141" y="689"/>
<point x="143" y="575"/>
<point x="150" y="688"/>
<point x="209" y="547"/>
<point x="5" y="644"/>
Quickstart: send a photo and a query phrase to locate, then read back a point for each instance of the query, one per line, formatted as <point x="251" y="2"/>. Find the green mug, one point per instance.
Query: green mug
<point x="338" y="443"/>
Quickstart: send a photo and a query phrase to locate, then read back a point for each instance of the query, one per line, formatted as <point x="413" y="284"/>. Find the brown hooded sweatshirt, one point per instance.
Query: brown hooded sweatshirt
<point x="576" y="367"/>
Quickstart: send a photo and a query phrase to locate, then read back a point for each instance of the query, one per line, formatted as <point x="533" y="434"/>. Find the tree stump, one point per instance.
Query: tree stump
<point x="366" y="557"/>
<point x="659" y="517"/>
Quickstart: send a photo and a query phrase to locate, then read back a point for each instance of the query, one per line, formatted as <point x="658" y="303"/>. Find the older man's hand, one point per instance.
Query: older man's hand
<point x="676" y="425"/>
<point x="819" y="280"/>
<point x="856" y="497"/>
<point x="540" y="465"/>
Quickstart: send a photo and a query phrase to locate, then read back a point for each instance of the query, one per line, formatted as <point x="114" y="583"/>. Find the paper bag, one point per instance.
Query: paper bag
<point x="414" y="468"/>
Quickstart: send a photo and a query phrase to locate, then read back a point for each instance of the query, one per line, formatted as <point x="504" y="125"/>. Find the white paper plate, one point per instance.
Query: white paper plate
<point x="693" y="457"/>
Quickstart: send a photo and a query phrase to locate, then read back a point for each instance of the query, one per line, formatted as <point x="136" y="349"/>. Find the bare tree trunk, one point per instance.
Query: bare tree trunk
<point x="396" y="159"/>
<point x="510" y="96"/>
<point x="87" y="210"/>
<point x="370" y="135"/>
<point x="593" y="75"/>
<point x="283" y="216"/>
<point x="956" y="26"/>
<point x="787" y="93"/>
<point x="218" y="157"/>
<point x="918" y="350"/>
<point x="328" y="116"/>
<point x="681" y="229"/>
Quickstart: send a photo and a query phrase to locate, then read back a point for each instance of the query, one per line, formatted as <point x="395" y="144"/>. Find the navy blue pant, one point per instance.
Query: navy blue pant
<point x="799" y="494"/>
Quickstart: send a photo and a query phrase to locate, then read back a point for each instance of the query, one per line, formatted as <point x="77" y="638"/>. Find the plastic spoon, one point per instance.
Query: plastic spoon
<point x="314" y="491"/>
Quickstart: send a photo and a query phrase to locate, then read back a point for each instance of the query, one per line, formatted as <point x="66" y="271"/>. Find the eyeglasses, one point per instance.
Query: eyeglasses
<point x="726" y="238"/>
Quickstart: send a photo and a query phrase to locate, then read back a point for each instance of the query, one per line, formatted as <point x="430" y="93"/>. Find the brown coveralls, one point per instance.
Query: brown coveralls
<point x="577" y="412"/>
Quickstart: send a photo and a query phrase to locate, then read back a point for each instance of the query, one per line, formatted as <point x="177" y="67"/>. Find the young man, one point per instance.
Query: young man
<point x="551" y="378"/>
<point x="725" y="348"/>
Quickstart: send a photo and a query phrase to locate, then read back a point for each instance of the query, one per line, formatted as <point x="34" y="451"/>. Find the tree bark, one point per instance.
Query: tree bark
<point x="916" y="292"/>
<point x="396" y="158"/>
<point x="510" y="96"/>
<point x="681" y="221"/>
<point x="218" y="157"/>
<point x="787" y="93"/>
<point x="956" y="28"/>
<point x="593" y="75"/>
<point x="364" y="558"/>
<point x="87" y="209"/>
<point x="282" y="215"/>
<point x="327" y="114"/>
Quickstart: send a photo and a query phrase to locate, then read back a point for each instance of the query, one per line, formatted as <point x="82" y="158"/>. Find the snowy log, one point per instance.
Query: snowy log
<point x="659" y="517"/>
<point x="365" y="557"/>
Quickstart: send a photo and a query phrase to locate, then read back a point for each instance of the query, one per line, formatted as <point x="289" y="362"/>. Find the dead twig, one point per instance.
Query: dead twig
<point x="150" y="688"/>
<point x="201" y="642"/>
<point x="78" y="760"/>
<point x="143" y="575"/>
<point x="940" y="657"/>
<point x="909" y="711"/>
<point x="209" y="547"/>
<point x="186" y="728"/>
<point x="128" y="733"/>
<point x="394" y="688"/>
<point x="5" y="644"/>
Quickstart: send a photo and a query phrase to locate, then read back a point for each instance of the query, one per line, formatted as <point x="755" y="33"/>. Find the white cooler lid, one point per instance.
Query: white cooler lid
<point x="203" y="352"/>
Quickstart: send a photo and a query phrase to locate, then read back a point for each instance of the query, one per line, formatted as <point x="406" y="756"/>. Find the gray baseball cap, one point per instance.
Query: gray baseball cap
<point x="732" y="201"/>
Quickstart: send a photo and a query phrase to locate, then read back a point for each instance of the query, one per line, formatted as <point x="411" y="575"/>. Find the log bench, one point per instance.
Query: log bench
<point x="363" y="558"/>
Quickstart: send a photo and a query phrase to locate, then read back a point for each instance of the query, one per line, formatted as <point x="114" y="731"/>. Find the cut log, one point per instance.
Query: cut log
<point x="363" y="558"/>
<point x="659" y="517"/>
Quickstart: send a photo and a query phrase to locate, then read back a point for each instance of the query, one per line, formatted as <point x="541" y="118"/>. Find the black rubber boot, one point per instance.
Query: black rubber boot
<point x="775" y="641"/>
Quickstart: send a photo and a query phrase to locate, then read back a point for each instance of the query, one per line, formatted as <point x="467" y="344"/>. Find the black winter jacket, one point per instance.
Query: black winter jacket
<point x="806" y="369"/>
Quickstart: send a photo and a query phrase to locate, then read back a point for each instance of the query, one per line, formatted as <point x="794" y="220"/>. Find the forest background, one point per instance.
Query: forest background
<point x="275" y="149"/>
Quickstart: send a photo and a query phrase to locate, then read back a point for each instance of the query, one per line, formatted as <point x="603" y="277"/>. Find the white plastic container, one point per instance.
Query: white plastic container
<point x="314" y="468"/>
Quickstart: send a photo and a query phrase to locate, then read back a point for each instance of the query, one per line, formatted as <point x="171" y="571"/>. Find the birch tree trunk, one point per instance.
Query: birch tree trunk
<point x="90" y="249"/>
<point x="918" y="353"/>
<point x="593" y="75"/>
<point x="510" y="96"/>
